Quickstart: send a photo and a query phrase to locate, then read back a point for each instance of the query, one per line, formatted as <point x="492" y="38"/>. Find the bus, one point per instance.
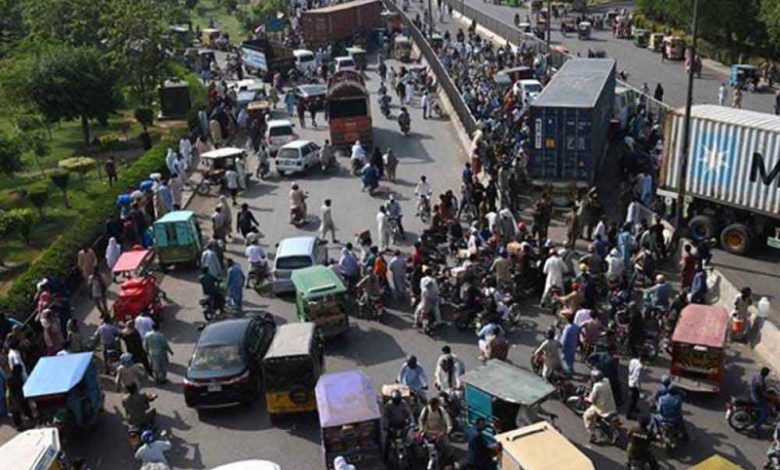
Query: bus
<point x="349" y="112"/>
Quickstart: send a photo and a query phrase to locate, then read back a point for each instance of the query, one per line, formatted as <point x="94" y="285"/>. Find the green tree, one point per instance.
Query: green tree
<point x="38" y="196"/>
<point x="61" y="178"/>
<point x="10" y="154"/>
<point x="770" y="16"/>
<point x="22" y="221"/>
<point x="11" y="25"/>
<point x="71" y="22"/>
<point x="72" y="82"/>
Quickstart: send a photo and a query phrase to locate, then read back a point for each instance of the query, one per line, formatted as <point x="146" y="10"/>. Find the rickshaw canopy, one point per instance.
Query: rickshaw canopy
<point x="35" y="449"/>
<point x="175" y="216"/>
<point x="346" y="397"/>
<point x="54" y="375"/>
<point x="702" y="325"/>
<point x="317" y="281"/>
<point x="509" y="383"/>
<point x="224" y="152"/>
<point x="402" y="41"/>
<point x="540" y="447"/>
<point x="291" y="339"/>
<point x="133" y="260"/>
<point x="716" y="462"/>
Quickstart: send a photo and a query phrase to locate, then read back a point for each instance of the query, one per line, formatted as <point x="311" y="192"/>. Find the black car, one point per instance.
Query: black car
<point x="225" y="366"/>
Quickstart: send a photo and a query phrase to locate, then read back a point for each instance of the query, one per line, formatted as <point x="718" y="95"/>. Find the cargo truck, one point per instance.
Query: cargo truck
<point x="569" y="121"/>
<point x="263" y="57"/>
<point x="323" y="26"/>
<point x="732" y="188"/>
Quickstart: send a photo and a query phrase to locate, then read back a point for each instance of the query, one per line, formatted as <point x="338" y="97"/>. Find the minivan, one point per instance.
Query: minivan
<point x="345" y="63"/>
<point x="280" y="132"/>
<point x="295" y="253"/>
<point x="305" y="61"/>
<point x="297" y="156"/>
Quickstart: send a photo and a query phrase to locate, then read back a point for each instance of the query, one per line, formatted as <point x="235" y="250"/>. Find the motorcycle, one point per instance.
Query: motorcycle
<point x="395" y="230"/>
<point x="742" y="412"/>
<point x="264" y="169"/>
<point x="607" y="430"/>
<point x="404" y="123"/>
<point x="357" y="166"/>
<point x="669" y="436"/>
<point x="258" y="273"/>
<point x="298" y="215"/>
<point x="425" y="208"/>
<point x="398" y="452"/>
<point x="371" y="307"/>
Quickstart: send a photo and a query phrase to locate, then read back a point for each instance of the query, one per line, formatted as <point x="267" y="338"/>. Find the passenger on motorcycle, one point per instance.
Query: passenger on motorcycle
<point x="491" y="333"/>
<point x="413" y="376"/>
<point x="326" y="156"/>
<point x="370" y="177"/>
<point x="602" y="402"/>
<point x="153" y="450"/>
<point x="550" y="350"/>
<point x="663" y="389"/>
<point x="394" y="212"/>
<point x="449" y="368"/>
<point x="660" y="293"/>
<point x="435" y="422"/>
<point x="758" y="390"/>
<point x="502" y="268"/>
<point x="639" y="444"/>
<point x="669" y="412"/>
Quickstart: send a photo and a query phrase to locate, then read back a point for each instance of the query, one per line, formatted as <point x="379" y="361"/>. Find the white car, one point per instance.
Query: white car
<point x="280" y="132"/>
<point x="305" y="61"/>
<point x="297" y="156"/>
<point x="527" y="90"/>
<point x="345" y="63"/>
<point x="249" y="465"/>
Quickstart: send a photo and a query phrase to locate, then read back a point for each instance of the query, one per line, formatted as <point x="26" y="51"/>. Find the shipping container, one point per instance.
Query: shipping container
<point x="264" y="58"/>
<point x="569" y="121"/>
<point x="323" y="26"/>
<point x="732" y="182"/>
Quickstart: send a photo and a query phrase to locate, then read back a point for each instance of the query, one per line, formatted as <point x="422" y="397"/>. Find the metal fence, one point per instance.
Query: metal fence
<point x="442" y="76"/>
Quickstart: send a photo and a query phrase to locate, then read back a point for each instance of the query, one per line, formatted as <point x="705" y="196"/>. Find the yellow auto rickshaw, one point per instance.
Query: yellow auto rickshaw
<point x="656" y="42"/>
<point x="291" y="367"/>
<point x="208" y="36"/>
<point x="540" y="447"/>
<point x="716" y="462"/>
<point x="402" y="48"/>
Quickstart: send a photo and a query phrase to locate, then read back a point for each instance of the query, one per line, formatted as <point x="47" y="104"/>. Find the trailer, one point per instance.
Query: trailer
<point x="732" y="184"/>
<point x="569" y="121"/>
<point x="263" y="57"/>
<point x="328" y="25"/>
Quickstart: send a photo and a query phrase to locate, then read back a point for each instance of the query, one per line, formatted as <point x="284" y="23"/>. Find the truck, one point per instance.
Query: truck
<point x="569" y="121"/>
<point x="732" y="184"/>
<point x="263" y="57"/>
<point x="328" y="25"/>
<point x="349" y="111"/>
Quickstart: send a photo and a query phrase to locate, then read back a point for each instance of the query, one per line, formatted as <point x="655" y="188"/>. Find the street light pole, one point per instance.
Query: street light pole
<point x="430" y="20"/>
<point x="686" y="150"/>
<point x="549" y="23"/>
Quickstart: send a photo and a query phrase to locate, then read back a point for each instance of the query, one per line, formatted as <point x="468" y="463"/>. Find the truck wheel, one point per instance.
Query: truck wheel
<point x="736" y="238"/>
<point x="702" y="227"/>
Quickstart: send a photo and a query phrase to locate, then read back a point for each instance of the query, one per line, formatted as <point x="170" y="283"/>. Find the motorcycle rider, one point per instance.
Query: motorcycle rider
<point x="394" y="212"/>
<point x="669" y="412"/>
<point x="413" y="376"/>
<point x="138" y="411"/>
<point x="297" y="204"/>
<point x="370" y="178"/>
<point x="758" y="391"/>
<point x="384" y="100"/>
<point x="639" y="439"/>
<point x="404" y="120"/>
<point x="660" y="293"/>
<point x="449" y="368"/>
<point x="258" y="262"/>
<point x="602" y="402"/>
<point x="263" y="165"/>
<point x="423" y="192"/>
<point x="326" y="155"/>
<point x="773" y="453"/>
<point x="399" y="416"/>
<point x="434" y="420"/>
<point x="491" y="333"/>
<point x="357" y="157"/>
<point x="215" y="301"/>
<point x="153" y="450"/>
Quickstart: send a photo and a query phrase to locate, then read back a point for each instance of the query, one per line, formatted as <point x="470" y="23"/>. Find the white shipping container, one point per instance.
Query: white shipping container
<point x="734" y="157"/>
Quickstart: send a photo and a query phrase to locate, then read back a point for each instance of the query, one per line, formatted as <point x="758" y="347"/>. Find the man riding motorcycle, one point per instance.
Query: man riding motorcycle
<point x="669" y="413"/>
<point x="423" y="192"/>
<point x="394" y="212"/>
<point x="326" y="156"/>
<point x="297" y="204"/>
<point x="357" y="157"/>
<point x="258" y="262"/>
<point x="435" y="422"/>
<point x="398" y="417"/>
<point x="602" y="402"/>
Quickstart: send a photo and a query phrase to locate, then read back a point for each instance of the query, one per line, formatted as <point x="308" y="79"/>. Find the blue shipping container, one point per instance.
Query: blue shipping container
<point x="569" y="122"/>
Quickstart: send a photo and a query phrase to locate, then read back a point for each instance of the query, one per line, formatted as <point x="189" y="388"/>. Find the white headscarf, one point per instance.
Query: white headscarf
<point x="339" y="463"/>
<point x="113" y="250"/>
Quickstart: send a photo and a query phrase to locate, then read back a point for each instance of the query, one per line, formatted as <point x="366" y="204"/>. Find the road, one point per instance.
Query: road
<point x="207" y="438"/>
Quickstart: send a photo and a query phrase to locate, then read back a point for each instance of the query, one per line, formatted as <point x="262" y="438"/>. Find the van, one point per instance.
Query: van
<point x="295" y="253"/>
<point x="527" y="90"/>
<point x="305" y="61"/>
<point x="280" y="132"/>
<point x="345" y="63"/>
<point x="297" y="156"/>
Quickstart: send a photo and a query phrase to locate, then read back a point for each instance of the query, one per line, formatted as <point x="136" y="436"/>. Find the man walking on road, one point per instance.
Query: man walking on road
<point x="659" y="93"/>
<point x="723" y="95"/>
<point x="327" y="225"/>
<point x="158" y="349"/>
<point x="424" y="103"/>
<point x="383" y="229"/>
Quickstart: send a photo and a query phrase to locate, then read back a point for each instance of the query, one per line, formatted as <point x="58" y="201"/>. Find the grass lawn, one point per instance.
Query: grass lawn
<point x="206" y="10"/>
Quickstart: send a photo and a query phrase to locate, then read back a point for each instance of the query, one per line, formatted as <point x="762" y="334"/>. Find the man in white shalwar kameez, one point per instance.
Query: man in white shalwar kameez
<point x="554" y="268"/>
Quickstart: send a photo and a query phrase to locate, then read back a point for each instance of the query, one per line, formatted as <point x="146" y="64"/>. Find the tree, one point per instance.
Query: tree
<point x="770" y="16"/>
<point x="61" y="178"/>
<point x="23" y="222"/>
<point x="38" y="196"/>
<point x="70" y="22"/>
<point x="10" y="154"/>
<point x="11" y="25"/>
<point x="73" y="82"/>
<point x="145" y="117"/>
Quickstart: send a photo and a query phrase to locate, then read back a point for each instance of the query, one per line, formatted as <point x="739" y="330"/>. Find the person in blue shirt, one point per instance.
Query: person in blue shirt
<point x="370" y="177"/>
<point x="663" y="388"/>
<point x="758" y="395"/>
<point x="669" y="411"/>
<point x="699" y="286"/>
<point x="413" y="376"/>
<point x="570" y="338"/>
<point x="480" y="452"/>
<point x="467" y="176"/>
<point x="660" y="293"/>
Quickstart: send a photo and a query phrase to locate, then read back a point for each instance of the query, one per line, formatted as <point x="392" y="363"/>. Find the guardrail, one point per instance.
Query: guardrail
<point x="442" y="75"/>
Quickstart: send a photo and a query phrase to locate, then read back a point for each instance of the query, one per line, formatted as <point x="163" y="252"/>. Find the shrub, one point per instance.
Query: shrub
<point x="38" y="195"/>
<point x="80" y="165"/>
<point x="59" y="259"/>
<point x="109" y="142"/>
<point x="61" y="178"/>
<point x="20" y="221"/>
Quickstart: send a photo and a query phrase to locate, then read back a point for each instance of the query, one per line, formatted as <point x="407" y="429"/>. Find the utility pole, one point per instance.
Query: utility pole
<point x="549" y="23"/>
<point x="430" y="20"/>
<point x="686" y="150"/>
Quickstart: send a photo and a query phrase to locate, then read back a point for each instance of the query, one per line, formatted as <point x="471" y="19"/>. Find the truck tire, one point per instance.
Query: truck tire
<point x="736" y="238"/>
<point x="702" y="227"/>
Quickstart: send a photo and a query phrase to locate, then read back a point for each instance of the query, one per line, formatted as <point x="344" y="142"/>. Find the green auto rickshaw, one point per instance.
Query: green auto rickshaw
<point x="641" y="37"/>
<point x="321" y="298"/>
<point x="178" y="239"/>
<point x="402" y="48"/>
<point x="506" y="396"/>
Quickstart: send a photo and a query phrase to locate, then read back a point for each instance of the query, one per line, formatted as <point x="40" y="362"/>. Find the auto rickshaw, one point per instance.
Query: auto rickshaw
<point x="503" y="394"/>
<point x="744" y="76"/>
<point x="140" y="291"/>
<point x="584" y="29"/>
<point x="258" y="109"/>
<point x="641" y="37"/>
<point x="209" y="36"/>
<point x="716" y="462"/>
<point x="35" y="449"/>
<point x="402" y="48"/>
<point x="178" y="238"/>
<point x="321" y="298"/>
<point x="351" y="419"/>
<point x="656" y="42"/>
<point x="540" y="447"/>
<point x="216" y="162"/>
<point x="66" y="392"/>
<point x="436" y="41"/>
<point x="698" y="348"/>
<point x="611" y="17"/>
<point x="291" y="367"/>
<point x="358" y="54"/>
<point x="675" y="47"/>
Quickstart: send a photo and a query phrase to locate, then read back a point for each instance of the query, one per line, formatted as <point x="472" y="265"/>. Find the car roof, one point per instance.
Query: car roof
<point x="529" y="81"/>
<point x="230" y="331"/>
<point x="295" y="246"/>
<point x="291" y="339"/>
<point x="222" y="152"/>
<point x="296" y="144"/>
<point x="279" y="123"/>
<point x="345" y="58"/>
<point x="302" y="51"/>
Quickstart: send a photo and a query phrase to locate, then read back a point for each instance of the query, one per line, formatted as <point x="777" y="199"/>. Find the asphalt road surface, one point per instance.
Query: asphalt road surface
<point x="208" y="438"/>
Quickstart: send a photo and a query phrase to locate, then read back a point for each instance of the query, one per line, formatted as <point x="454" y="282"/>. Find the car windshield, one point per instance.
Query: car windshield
<point x="280" y="131"/>
<point x="217" y="357"/>
<point x="533" y="88"/>
<point x="306" y="57"/>
<point x="346" y="63"/>
<point x="293" y="262"/>
<point x="288" y="153"/>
